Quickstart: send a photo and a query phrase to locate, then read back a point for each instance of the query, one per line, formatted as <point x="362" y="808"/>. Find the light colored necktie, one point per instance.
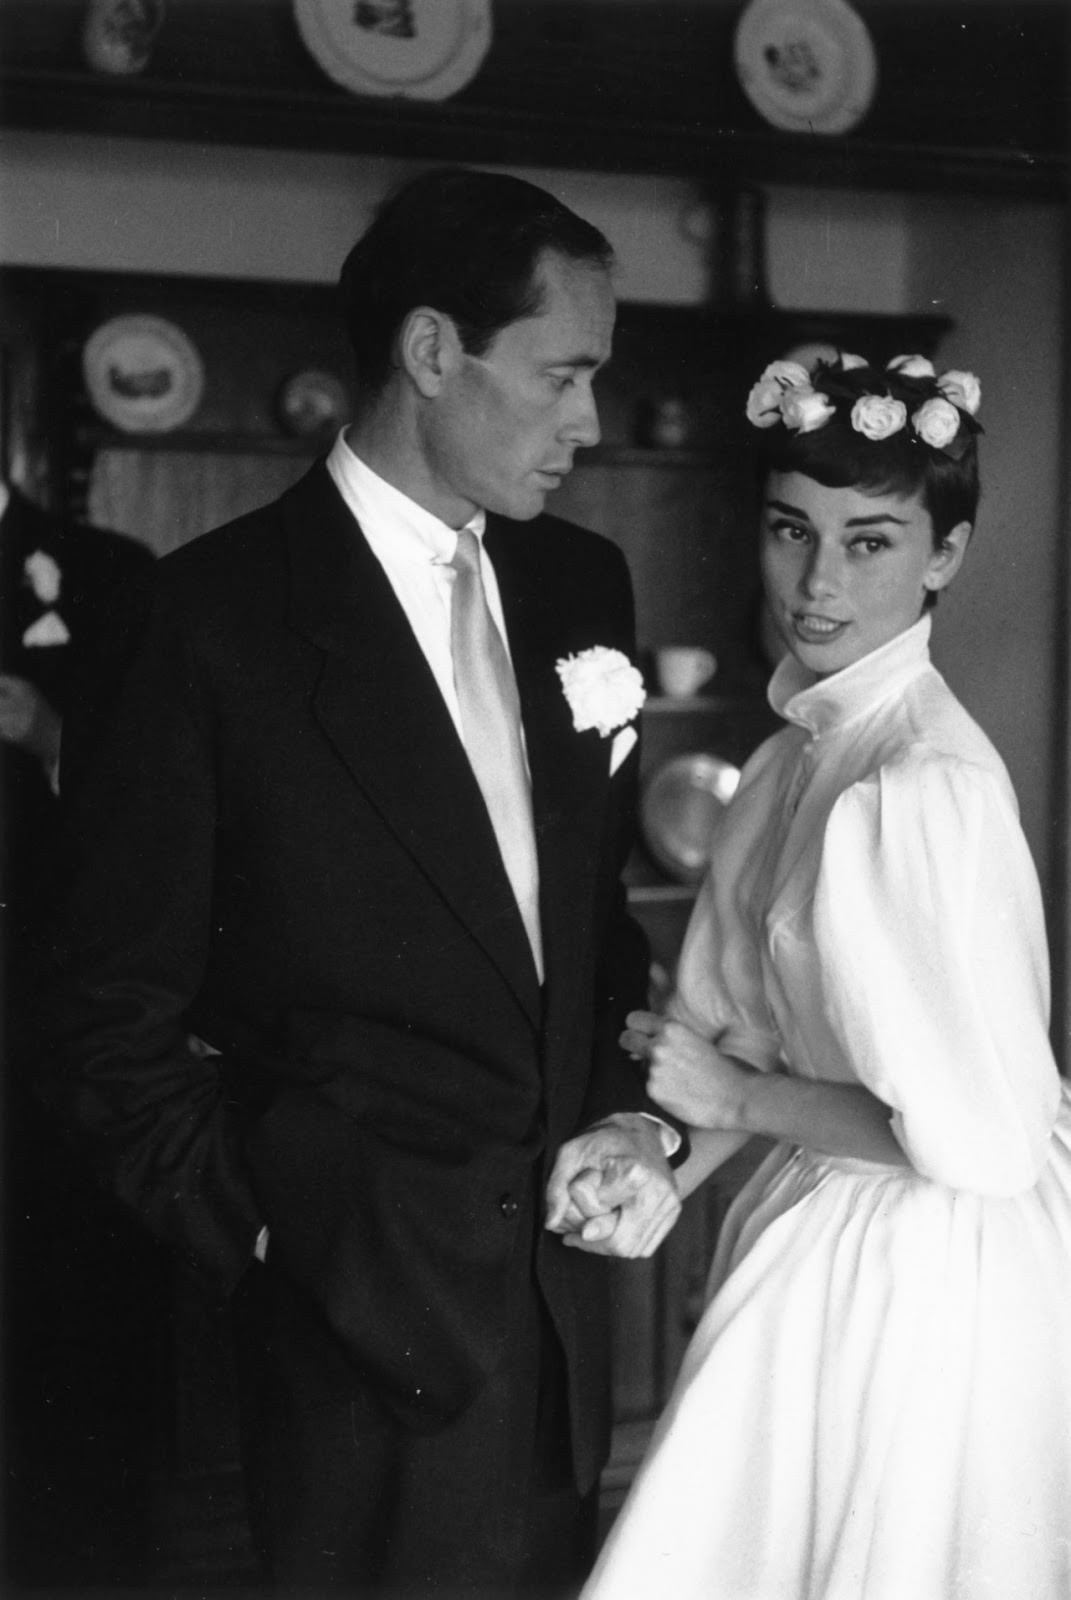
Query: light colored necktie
<point x="491" y="721"/>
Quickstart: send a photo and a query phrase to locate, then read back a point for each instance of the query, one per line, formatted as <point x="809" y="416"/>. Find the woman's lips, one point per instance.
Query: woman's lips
<point x="815" y="629"/>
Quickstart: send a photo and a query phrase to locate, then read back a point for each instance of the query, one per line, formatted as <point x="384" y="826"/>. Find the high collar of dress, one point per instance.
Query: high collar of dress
<point x="820" y="704"/>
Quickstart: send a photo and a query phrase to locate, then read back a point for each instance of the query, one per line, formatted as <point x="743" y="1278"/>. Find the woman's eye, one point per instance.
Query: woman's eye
<point x="870" y="544"/>
<point x="791" y="532"/>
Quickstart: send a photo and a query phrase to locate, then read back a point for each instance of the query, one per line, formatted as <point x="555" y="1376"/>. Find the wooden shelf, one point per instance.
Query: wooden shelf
<point x="190" y="441"/>
<point x="970" y="97"/>
<point x="628" y="455"/>
<point x="713" y="705"/>
<point x="662" y="894"/>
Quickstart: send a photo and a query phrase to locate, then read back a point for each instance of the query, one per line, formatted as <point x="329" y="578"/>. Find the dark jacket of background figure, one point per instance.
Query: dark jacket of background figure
<point x="283" y="849"/>
<point x="82" y="1285"/>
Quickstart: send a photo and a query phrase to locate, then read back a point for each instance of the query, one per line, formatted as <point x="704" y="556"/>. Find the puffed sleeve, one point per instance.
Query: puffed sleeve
<point x="931" y="945"/>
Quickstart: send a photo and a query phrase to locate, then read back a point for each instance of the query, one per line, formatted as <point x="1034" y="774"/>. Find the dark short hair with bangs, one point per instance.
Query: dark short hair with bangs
<point x="465" y="242"/>
<point x="840" y="458"/>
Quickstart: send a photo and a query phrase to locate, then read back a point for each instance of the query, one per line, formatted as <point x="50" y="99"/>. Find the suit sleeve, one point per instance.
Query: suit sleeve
<point x="125" y="955"/>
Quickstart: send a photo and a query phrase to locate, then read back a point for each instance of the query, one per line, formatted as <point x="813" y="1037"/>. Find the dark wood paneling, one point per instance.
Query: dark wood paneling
<point x="971" y="93"/>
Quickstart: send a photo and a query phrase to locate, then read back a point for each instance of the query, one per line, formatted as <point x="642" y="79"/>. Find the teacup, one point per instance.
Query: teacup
<point x="683" y="669"/>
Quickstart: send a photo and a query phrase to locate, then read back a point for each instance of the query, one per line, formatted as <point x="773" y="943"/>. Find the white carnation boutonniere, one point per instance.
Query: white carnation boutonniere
<point x="49" y="629"/>
<point x="603" y="688"/>
<point x="44" y="577"/>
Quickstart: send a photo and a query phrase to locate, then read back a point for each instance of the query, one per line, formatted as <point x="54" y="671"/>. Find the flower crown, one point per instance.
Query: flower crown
<point x="935" y="410"/>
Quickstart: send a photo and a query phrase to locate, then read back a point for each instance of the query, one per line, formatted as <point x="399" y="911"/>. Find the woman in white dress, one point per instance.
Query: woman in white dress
<point x="876" y="1404"/>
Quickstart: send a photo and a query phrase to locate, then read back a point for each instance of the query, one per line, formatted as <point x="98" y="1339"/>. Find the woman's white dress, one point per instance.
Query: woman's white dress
<point x="876" y="1404"/>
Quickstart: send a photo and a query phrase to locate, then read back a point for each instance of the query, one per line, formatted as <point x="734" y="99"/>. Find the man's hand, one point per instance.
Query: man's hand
<point x="611" y="1191"/>
<point x="29" y="720"/>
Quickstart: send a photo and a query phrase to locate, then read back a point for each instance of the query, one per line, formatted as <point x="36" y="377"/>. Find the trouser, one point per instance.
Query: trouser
<point x="344" y="1499"/>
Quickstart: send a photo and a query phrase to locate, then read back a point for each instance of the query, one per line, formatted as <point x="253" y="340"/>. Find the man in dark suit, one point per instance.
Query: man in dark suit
<point x="350" y="832"/>
<point x="82" y="1283"/>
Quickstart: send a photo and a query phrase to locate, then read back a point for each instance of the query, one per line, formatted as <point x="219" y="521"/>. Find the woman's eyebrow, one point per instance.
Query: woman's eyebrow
<point x="852" y="522"/>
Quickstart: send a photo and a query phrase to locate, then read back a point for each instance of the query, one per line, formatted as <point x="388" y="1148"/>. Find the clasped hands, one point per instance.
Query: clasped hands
<point x="611" y="1191"/>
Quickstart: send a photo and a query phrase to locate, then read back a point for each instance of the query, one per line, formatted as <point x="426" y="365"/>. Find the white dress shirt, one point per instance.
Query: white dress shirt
<point x="415" y="550"/>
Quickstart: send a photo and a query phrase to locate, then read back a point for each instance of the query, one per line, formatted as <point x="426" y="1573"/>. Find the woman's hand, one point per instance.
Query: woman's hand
<point x="686" y="1074"/>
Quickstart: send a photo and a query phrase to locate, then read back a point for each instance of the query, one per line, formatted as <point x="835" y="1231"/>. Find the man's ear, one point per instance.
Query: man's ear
<point x="947" y="561"/>
<point x="429" y="348"/>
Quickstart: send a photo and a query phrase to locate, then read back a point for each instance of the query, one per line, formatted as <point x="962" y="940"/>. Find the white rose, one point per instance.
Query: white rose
<point x="912" y="367"/>
<point x="878" y="416"/>
<point x="43" y="575"/>
<point x="603" y="688"/>
<point x="764" y="403"/>
<point x="963" y="389"/>
<point x="848" y="362"/>
<point x="789" y="374"/>
<point x="804" y="410"/>
<point x="936" y="423"/>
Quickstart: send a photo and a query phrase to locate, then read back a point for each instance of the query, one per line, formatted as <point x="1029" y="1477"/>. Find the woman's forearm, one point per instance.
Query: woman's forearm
<point x="835" y="1119"/>
<point x="710" y="1148"/>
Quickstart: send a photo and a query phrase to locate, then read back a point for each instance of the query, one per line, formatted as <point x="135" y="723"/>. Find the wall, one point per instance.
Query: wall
<point x="233" y="212"/>
<point x="996" y="268"/>
<point x="999" y="270"/>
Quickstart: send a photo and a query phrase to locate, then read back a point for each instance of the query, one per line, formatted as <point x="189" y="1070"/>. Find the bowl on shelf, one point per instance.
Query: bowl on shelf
<point x="311" y="404"/>
<point x="681" y="807"/>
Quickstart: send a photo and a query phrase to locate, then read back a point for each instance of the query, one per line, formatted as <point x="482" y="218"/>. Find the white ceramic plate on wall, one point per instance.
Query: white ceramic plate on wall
<point x="428" y="49"/>
<point x="808" y="66"/>
<point x="142" y="373"/>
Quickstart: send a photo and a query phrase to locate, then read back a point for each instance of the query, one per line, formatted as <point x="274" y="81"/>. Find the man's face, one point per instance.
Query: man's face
<point x="506" y="424"/>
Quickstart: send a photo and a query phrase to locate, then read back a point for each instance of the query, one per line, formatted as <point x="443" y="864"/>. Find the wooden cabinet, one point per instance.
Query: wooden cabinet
<point x="671" y="482"/>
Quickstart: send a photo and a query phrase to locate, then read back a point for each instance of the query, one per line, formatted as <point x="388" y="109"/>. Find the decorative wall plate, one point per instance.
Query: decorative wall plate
<point x="427" y="49"/>
<point x="806" y="65"/>
<point x="681" y="806"/>
<point x="142" y="373"/>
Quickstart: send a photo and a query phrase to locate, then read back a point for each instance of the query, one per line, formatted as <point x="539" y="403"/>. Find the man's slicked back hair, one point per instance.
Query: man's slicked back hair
<point x="464" y="242"/>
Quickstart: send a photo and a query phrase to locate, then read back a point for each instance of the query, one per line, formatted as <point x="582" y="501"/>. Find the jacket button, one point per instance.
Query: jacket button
<point x="508" y="1206"/>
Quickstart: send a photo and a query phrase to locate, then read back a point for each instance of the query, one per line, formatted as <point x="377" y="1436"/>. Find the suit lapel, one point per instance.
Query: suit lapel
<point x="378" y="703"/>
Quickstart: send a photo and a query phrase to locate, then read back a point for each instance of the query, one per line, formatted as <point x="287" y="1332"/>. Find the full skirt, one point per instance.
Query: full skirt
<point x="876" y="1404"/>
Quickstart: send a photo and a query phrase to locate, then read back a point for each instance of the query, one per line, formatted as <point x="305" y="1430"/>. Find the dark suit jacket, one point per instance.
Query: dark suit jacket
<point x="282" y="849"/>
<point x="97" y="569"/>
<point x="83" y="1285"/>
